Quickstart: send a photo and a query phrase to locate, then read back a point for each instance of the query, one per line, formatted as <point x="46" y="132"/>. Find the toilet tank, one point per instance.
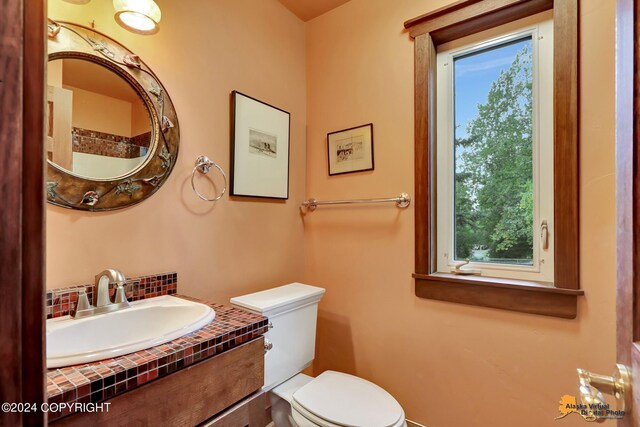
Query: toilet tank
<point x="292" y="310"/>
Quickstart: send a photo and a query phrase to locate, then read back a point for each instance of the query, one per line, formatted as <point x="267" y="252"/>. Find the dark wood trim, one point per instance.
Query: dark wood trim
<point x="185" y="398"/>
<point x="11" y="143"/>
<point x="499" y="283"/>
<point x="33" y="208"/>
<point x="522" y="298"/>
<point x="566" y="144"/>
<point x="436" y="13"/>
<point x="425" y="71"/>
<point x="628" y="197"/>
<point x="461" y="19"/>
<point x="22" y="31"/>
<point x="627" y="176"/>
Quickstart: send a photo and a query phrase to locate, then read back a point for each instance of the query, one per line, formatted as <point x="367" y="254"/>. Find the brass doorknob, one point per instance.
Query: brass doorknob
<point x="592" y="388"/>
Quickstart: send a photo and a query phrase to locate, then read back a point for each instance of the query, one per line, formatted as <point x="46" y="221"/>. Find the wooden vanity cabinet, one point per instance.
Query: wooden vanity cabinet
<point x="251" y="411"/>
<point x="206" y="391"/>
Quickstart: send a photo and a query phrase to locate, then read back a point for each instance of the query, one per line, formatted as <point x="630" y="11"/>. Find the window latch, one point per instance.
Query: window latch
<point x="466" y="271"/>
<point x="544" y="234"/>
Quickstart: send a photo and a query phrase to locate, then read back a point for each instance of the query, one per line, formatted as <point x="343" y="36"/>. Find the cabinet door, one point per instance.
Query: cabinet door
<point x="250" y="412"/>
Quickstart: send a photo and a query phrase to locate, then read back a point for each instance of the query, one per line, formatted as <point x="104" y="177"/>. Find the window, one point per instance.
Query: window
<point x="495" y="156"/>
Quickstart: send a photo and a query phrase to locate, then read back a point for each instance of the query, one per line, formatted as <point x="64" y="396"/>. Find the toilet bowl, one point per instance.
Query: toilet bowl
<point x="332" y="399"/>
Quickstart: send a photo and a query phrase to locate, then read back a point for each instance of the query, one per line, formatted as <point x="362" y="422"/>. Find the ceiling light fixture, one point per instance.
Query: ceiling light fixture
<point x="138" y="16"/>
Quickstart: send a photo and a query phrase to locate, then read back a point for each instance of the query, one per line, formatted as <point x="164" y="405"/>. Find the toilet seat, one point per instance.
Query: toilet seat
<point x="335" y="399"/>
<point x="304" y="418"/>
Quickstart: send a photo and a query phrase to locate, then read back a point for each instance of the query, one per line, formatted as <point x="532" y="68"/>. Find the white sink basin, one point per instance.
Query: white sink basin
<point x="145" y="324"/>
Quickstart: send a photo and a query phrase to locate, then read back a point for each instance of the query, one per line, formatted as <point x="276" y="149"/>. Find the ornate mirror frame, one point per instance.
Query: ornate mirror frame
<point x="67" y="40"/>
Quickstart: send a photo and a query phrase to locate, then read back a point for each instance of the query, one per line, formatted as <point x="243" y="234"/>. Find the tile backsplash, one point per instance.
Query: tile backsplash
<point x="106" y="144"/>
<point x="59" y="302"/>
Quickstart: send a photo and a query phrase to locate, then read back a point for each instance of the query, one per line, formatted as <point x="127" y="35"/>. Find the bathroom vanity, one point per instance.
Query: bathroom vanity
<point x="192" y="395"/>
<point x="212" y="375"/>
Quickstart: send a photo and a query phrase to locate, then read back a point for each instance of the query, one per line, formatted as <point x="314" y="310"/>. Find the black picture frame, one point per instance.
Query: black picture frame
<point x="350" y="150"/>
<point x="259" y="159"/>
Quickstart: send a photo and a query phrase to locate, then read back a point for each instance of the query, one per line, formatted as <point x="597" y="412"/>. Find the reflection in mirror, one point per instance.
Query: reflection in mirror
<point x="98" y="126"/>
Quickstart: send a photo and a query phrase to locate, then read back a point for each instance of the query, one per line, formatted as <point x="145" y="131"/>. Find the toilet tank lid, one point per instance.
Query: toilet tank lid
<point x="279" y="298"/>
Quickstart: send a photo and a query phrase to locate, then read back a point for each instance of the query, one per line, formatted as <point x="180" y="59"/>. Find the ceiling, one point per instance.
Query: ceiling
<point x="309" y="9"/>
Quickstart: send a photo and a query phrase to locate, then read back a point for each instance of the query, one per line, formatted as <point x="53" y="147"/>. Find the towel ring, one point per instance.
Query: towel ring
<point x="203" y="165"/>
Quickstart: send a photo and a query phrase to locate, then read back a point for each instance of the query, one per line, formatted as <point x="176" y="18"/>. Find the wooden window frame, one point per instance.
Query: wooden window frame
<point x="460" y="19"/>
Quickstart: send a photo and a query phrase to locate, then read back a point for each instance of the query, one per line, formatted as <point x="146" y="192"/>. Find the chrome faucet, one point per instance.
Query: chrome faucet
<point x="101" y="294"/>
<point x="101" y="301"/>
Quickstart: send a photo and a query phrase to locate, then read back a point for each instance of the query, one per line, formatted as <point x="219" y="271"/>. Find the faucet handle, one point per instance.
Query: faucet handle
<point x="82" y="303"/>
<point x="121" y="296"/>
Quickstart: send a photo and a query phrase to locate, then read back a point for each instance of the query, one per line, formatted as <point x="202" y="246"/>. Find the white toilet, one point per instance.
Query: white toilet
<point x="332" y="399"/>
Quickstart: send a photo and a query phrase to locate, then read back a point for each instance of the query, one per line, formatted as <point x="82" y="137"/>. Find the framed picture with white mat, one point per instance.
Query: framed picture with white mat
<point x="259" y="148"/>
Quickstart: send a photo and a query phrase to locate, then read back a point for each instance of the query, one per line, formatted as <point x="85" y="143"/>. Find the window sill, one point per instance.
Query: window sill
<point x="505" y="294"/>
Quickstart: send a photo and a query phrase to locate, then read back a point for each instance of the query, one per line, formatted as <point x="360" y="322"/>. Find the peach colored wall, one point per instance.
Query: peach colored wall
<point x="448" y="364"/>
<point x="202" y="53"/>
<point x="100" y="113"/>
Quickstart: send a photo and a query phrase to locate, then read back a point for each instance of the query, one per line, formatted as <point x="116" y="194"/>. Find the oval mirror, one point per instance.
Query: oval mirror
<point x="112" y="130"/>
<point x="98" y="127"/>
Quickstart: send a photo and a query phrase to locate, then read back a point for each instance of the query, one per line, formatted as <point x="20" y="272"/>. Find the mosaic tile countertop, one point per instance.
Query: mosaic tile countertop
<point x="99" y="381"/>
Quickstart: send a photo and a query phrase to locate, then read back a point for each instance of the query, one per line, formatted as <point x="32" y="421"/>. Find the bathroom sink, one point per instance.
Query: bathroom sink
<point x="145" y="324"/>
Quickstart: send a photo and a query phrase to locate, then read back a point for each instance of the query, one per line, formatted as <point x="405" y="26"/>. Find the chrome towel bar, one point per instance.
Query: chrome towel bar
<point x="402" y="201"/>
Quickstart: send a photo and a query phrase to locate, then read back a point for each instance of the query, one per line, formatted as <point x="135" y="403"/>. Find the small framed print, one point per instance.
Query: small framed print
<point x="350" y="150"/>
<point x="259" y="149"/>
